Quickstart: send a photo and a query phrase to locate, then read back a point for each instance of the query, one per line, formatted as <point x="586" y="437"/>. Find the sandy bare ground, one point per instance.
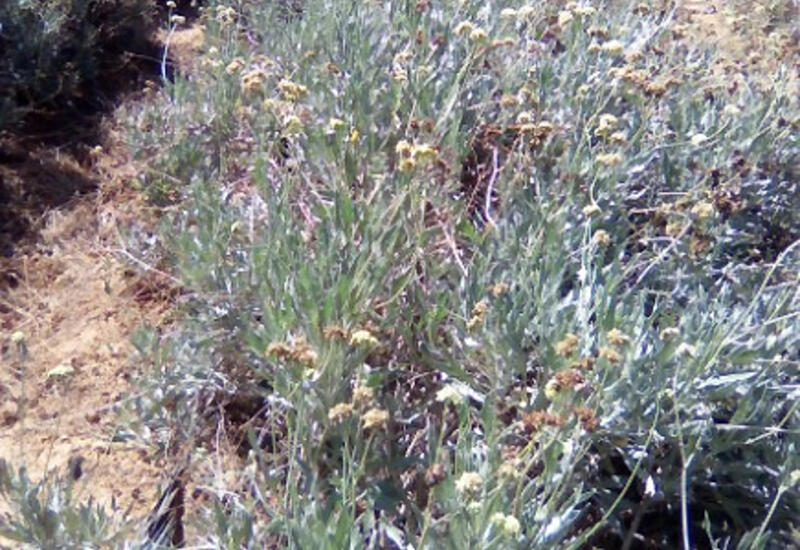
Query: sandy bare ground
<point x="71" y="288"/>
<point x="77" y="303"/>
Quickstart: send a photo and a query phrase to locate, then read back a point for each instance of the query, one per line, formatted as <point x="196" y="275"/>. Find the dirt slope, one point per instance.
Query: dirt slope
<point x="76" y="303"/>
<point x="69" y="287"/>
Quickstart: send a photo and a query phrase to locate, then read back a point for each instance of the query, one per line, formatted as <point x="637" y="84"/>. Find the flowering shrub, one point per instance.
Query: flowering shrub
<point x="477" y="275"/>
<point x="555" y="249"/>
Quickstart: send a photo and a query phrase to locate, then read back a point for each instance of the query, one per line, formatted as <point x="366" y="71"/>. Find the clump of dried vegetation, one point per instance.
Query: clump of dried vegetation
<point x="471" y="275"/>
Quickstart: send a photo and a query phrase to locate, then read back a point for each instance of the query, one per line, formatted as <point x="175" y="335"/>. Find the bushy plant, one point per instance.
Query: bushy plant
<point x="47" y="515"/>
<point x="59" y="55"/>
<point x="491" y="275"/>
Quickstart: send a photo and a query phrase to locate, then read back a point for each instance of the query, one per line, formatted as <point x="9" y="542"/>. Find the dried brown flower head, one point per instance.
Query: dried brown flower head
<point x="435" y="474"/>
<point x="536" y="420"/>
<point x="610" y="355"/>
<point x="567" y="345"/>
<point x="587" y="418"/>
<point x="334" y="332"/>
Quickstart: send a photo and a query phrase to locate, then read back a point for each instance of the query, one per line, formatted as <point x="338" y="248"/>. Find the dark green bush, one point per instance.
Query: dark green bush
<point x="67" y="55"/>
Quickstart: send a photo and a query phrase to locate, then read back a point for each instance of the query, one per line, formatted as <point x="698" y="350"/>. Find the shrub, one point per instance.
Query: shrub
<point x="46" y="515"/>
<point x="61" y="55"/>
<point x="484" y="275"/>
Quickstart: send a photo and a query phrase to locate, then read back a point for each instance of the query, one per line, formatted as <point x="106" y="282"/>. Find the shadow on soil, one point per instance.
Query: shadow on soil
<point x="46" y="159"/>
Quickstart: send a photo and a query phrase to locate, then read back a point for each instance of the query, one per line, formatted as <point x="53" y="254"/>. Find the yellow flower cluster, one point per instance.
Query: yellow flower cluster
<point x="263" y="62"/>
<point x="703" y="210"/>
<point x="469" y="484"/>
<point x="210" y="59"/>
<point x="225" y="15"/>
<point x="618" y="138"/>
<point x="617" y="338"/>
<point x="606" y="124"/>
<point x="449" y="394"/>
<point x="609" y="159"/>
<point x="363" y="338"/>
<point x="509" y="525"/>
<point x="508" y="100"/>
<point x="510" y="468"/>
<point x="538" y="130"/>
<point x="403" y="57"/>
<point x="534" y="421"/>
<point x="253" y="82"/>
<point x="334" y="125"/>
<point x="340" y="412"/>
<point x="524" y="117"/>
<point x="669" y="333"/>
<point x="478" y="35"/>
<point x="508" y="13"/>
<point x="466" y="28"/>
<point x="674" y="228"/>
<point x="292" y="125"/>
<point x="587" y="417"/>
<point x="478" y="315"/>
<point x="583" y="11"/>
<point x="292" y="91"/>
<point x="375" y="419"/>
<point x="525" y="12"/>
<point x="612" y="47"/>
<point x="334" y="332"/>
<point x="567" y="345"/>
<point x="731" y="110"/>
<point x="363" y="395"/>
<point x="413" y="155"/>
<point x="499" y="288"/>
<point x="597" y="31"/>
<point x="601" y="237"/>
<point x="235" y="66"/>
<point x="399" y="74"/>
<point x="500" y="42"/>
<point x="591" y="210"/>
<point x="278" y="107"/>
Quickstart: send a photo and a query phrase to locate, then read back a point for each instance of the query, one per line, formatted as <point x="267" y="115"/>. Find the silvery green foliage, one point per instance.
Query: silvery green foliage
<point x="47" y="514"/>
<point x="296" y="215"/>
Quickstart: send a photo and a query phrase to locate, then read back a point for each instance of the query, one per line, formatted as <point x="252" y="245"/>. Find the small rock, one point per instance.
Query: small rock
<point x="93" y="417"/>
<point x="47" y="414"/>
<point x="61" y="371"/>
<point x="9" y="414"/>
<point x="75" y="467"/>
